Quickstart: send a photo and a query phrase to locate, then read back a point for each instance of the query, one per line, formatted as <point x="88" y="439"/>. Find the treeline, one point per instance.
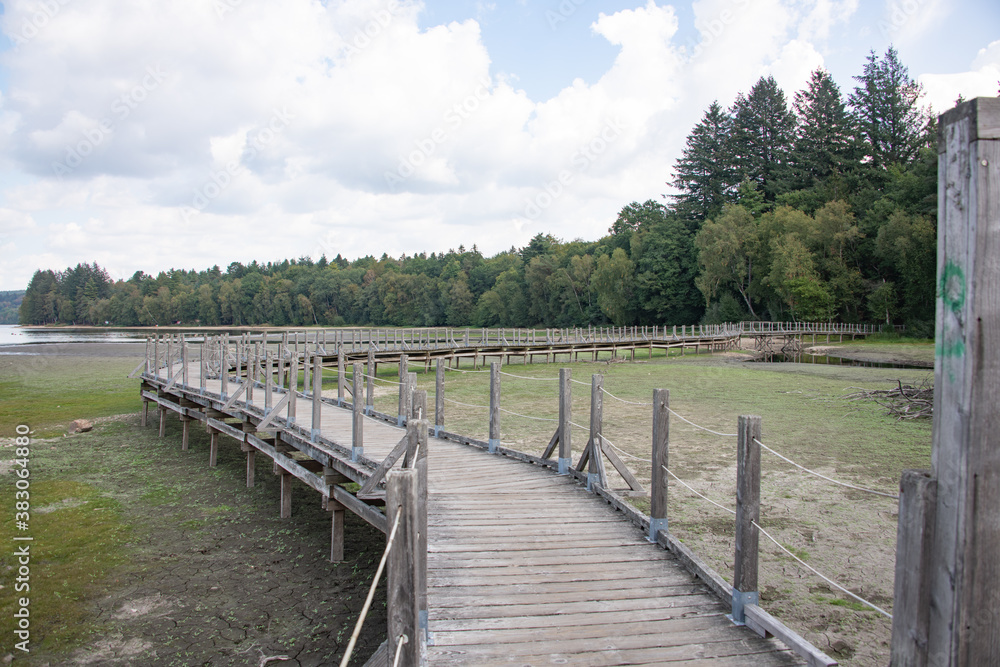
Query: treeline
<point x="821" y="209"/>
<point x="10" y="303"/>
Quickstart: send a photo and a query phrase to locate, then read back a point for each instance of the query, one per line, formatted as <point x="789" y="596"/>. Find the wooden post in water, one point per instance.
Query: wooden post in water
<point x="747" y="515"/>
<point x="964" y="577"/>
<point x="403" y="397"/>
<point x="357" y="414"/>
<point x="565" y="417"/>
<point x="660" y="459"/>
<point x="494" y="438"/>
<point x="317" y="398"/>
<point x="439" y="396"/>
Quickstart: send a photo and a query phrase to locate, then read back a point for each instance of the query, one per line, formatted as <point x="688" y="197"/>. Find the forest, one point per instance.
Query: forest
<point x="816" y="208"/>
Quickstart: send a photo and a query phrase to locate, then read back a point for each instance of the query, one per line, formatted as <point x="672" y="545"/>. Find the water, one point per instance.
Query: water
<point x="831" y="361"/>
<point x="11" y="334"/>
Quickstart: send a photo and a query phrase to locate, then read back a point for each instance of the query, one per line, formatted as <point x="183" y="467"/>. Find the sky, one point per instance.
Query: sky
<point x="152" y="135"/>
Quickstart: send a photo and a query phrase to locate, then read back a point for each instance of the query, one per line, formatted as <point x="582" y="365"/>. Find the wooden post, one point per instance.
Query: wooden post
<point x="565" y="417"/>
<point x="595" y="471"/>
<point x="268" y="380"/>
<point x="660" y="459"/>
<point x="340" y="375"/>
<point x="251" y="466"/>
<point x="494" y="439"/>
<point x="293" y="387"/>
<point x="317" y="398"/>
<point x="306" y="368"/>
<point x="213" y="449"/>
<point x="370" y="384"/>
<point x="411" y="386"/>
<point x="202" y="366"/>
<point x="224" y="368"/>
<point x="965" y="570"/>
<point x="914" y="541"/>
<point x="336" y="530"/>
<point x="163" y="421"/>
<point x="747" y="515"/>
<point x="418" y="410"/>
<point x="439" y="396"/>
<point x="185" y="428"/>
<point x="403" y="393"/>
<point x="286" y="494"/>
<point x="402" y="499"/>
<point x="357" y="423"/>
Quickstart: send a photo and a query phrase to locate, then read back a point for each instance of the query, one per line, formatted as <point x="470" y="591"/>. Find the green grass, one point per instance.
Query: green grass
<point x="78" y="536"/>
<point x="47" y="393"/>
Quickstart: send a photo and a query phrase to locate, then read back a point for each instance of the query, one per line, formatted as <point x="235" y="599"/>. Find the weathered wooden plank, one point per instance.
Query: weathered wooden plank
<point x="762" y="622"/>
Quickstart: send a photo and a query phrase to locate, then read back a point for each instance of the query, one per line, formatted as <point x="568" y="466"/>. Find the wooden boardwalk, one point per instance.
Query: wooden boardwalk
<point x="524" y="566"/>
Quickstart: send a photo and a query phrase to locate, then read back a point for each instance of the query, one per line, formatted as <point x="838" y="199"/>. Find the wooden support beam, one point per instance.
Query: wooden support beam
<point x="213" y="449"/>
<point x="565" y="432"/>
<point x="163" y="421"/>
<point x="439" y="392"/>
<point x="659" y="477"/>
<point x="185" y="428"/>
<point x="251" y="466"/>
<point x="747" y="515"/>
<point x="336" y="510"/>
<point x="401" y="575"/>
<point x="286" y="494"/>
<point x="494" y="437"/>
<point x="965" y="572"/>
<point x="914" y="541"/>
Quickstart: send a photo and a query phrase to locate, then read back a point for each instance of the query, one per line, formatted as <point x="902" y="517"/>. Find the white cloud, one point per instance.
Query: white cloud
<point x="941" y="90"/>
<point x="315" y="104"/>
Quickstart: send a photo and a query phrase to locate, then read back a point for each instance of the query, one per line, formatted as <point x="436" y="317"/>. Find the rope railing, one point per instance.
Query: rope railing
<point x="608" y="393"/>
<point x="523" y="377"/>
<point x="518" y="414"/>
<point x="378" y="379"/>
<point x="371" y="593"/>
<point x="820" y="574"/>
<point x="691" y="489"/>
<point x="688" y="421"/>
<point x="466" y="405"/>
<point x="821" y="476"/>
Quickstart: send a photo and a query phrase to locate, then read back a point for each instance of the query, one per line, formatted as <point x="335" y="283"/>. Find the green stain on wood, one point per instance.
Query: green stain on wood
<point x="952" y="291"/>
<point x="951" y="286"/>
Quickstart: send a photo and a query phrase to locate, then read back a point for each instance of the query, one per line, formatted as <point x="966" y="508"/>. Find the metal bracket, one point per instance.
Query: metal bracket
<point x="593" y="481"/>
<point x="740" y="600"/>
<point x="565" y="465"/>
<point x="493" y="444"/>
<point x="655" y="526"/>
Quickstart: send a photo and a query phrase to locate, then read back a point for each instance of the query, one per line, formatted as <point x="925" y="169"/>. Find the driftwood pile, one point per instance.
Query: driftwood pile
<point x="903" y="402"/>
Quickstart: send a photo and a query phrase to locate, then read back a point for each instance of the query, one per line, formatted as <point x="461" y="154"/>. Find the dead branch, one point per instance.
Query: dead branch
<point x="903" y="402"/>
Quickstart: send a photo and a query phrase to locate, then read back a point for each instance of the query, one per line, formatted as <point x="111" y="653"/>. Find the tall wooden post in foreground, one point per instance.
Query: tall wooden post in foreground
<point x="963" y="571"/>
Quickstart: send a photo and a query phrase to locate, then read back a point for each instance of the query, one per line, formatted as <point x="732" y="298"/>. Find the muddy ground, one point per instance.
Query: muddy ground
<point x="211" y="575"/>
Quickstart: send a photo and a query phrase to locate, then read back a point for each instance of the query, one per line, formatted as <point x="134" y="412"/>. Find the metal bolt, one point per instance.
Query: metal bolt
<point x="985" y="163"/>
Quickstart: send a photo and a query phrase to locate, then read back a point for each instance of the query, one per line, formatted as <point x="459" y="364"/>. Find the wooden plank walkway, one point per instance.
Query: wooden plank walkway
<point x="525" y="566"/>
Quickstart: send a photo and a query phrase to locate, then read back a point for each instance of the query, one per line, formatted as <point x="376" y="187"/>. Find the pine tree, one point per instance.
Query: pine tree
<point x="824" y="144"/>
<point x="889" y="120"/>
<point x="703" y="174"/>
<point x="762" y="137"/>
